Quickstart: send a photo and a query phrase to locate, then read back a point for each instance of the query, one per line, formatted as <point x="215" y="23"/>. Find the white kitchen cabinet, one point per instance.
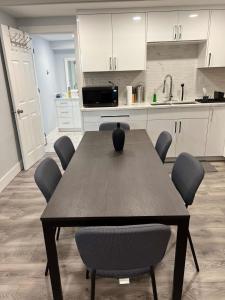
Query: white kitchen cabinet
<point x="137" y="119"/>
<point x="178" y="26"/>
<point x="155" y="127"/>
<point x="68" y="114"/>
<point x="162" y="26"/>
<point x="188" y="129"/>
<point x="216" y="132"/>
<point x="95" y="40"/>
<point x="112" y="42"/>
<point x="129" y="41"/>
<point x="193" y="25"/>
<point x="215" y="56"/>
<point x="191" y="136"/>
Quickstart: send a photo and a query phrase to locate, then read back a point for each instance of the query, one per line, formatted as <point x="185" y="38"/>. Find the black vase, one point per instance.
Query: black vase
<point x="118" y="137"/>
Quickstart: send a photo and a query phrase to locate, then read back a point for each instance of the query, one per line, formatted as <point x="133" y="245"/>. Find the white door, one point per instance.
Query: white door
<point x="162" y="26"/>
<point x="129" y="41"/>
<point x="191" y="136"/>
<point x="216" y="132"/>
<point x="95" y="39"/>
<point x="24" y="92"/>
<point x="155" y="127"/>
<point x="216" y="53"/>
<point x="193" y="25"/>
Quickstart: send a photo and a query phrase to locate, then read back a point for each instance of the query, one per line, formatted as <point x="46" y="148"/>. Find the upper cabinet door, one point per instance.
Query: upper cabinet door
<point x="193" y="25"/>
<point x="129" y="41"/>
<point x="162" y="26"/>
<point x="216" y="53"/>
<point x="95" y="37"/>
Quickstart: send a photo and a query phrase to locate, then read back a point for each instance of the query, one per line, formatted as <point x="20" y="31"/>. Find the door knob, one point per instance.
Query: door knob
<point x="19" y="111"/>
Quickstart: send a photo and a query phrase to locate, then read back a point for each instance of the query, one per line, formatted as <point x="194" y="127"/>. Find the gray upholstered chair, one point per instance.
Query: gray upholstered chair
<point x="187" y="175"/>
<point x="47" y="177"/>
<point x="113" y="125"/>
<point x="122" y="251"/>
<point x="163" y="144"/>
<point x="65" y="150"/>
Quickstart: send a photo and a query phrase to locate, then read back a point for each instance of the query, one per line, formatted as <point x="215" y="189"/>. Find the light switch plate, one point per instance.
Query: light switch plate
<point x="124" y="281"/>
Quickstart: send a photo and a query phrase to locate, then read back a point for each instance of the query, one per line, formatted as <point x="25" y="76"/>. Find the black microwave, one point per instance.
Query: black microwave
<point x="100" y="96"/>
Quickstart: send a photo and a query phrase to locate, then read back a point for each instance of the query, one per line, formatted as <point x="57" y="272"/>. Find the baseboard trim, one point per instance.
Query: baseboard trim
<point x="8" y="177"/>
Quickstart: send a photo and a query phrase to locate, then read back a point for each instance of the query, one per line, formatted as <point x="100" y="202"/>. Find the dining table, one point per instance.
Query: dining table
<point x="102" y="187"/>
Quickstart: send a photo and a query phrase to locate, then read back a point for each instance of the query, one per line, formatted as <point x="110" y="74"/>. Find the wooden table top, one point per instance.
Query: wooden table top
<point x="101" y="186"/>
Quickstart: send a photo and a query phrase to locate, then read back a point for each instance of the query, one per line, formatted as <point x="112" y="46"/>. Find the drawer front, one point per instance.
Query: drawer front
<point x="64" y="112"/>
<point x="138" y="124"/>
<point x="65" y="123"/>
<point x="91" y="126"/>
<point x="60" y="103"/>
<point x="115" y="116"/>
<point x="174" y="113"/>
<point x="139" y="115"/>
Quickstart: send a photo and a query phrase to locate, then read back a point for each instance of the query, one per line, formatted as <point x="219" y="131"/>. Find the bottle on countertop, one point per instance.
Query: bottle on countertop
<point x="154" y="97"/>
<point x="69" y="93"/>
<point x="134" y="95"/>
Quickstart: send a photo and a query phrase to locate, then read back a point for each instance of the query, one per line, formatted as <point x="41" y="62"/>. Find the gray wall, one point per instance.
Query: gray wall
<point x="9" y="147"/>
<point x="60" y="67"/>
<point x="45" y="70"/>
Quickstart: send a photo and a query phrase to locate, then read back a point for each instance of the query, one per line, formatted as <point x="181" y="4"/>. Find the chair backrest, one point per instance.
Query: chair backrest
<point x="64" y="149"/>
<point x="113" y="125"/>
<point x="163" y="144"/>
<point x="47" y="177"/>
<point x="187" y="175"/>
<point x="122" y="247"/>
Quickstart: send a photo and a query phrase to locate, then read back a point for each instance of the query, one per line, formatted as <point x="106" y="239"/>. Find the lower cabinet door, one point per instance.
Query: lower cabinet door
<point x="191" y="136"/>
<point x="216" y="132"/>
<point x="155" y="127"/>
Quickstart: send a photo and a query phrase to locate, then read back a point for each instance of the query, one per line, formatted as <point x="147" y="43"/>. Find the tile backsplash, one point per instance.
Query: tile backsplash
<point x="179" y="60"/>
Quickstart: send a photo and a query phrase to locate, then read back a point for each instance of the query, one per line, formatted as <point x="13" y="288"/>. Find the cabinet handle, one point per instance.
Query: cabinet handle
<point x="212" y="115"/>
<point x="180" y="127"/>
<point x="180" y="32"/>
<point x="175" y="32"/>
<point x="110" y="63"/>
<point x="118" y="116"/>
<point x="175" y="130"/>
<point x="115" y="63"/>
<point x="210" y="55"/>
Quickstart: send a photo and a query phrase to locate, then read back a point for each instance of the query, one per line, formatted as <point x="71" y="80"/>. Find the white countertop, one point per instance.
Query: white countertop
<point x="145" y="105"/>
<point x="120" y="107"/>
<point x="67" y="99"/>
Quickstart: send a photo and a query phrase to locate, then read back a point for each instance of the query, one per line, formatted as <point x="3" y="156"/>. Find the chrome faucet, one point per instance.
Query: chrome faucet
<point x="171" y="86"/>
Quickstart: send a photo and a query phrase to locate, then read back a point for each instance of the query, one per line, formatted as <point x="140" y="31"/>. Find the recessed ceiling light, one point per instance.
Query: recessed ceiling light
<point x="72" y="35"/>
<point x="136" y="18"/>
<point x="193" y="15"/>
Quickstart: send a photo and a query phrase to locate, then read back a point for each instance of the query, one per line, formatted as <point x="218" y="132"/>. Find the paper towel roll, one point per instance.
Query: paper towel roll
<point x="129" y="94"/>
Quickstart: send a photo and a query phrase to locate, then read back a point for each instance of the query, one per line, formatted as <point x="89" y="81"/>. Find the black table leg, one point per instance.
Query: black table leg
<point x="180" y="257"/>
<point x="49" y="236"/>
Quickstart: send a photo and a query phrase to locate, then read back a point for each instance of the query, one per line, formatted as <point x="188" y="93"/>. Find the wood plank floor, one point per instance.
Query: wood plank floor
<point x="22" y="253"/>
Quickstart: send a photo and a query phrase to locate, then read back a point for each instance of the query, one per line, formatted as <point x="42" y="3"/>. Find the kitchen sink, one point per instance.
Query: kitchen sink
<point x="184" y="102"/>
<point x="174" y="103"/>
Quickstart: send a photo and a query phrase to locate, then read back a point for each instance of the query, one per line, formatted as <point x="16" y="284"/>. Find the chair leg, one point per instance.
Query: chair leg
<point x="87" y="274"/>
<point x="193" y="251"/>
<point x="93" y="275"/>
<point x="57" y="234"/>
<point x="152" y="273"/>
<point x="46" y="270"/>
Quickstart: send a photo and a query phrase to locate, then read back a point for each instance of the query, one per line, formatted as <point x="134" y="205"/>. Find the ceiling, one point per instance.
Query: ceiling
<point x="47" y="8"/>
<point x="57" y="37"/>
